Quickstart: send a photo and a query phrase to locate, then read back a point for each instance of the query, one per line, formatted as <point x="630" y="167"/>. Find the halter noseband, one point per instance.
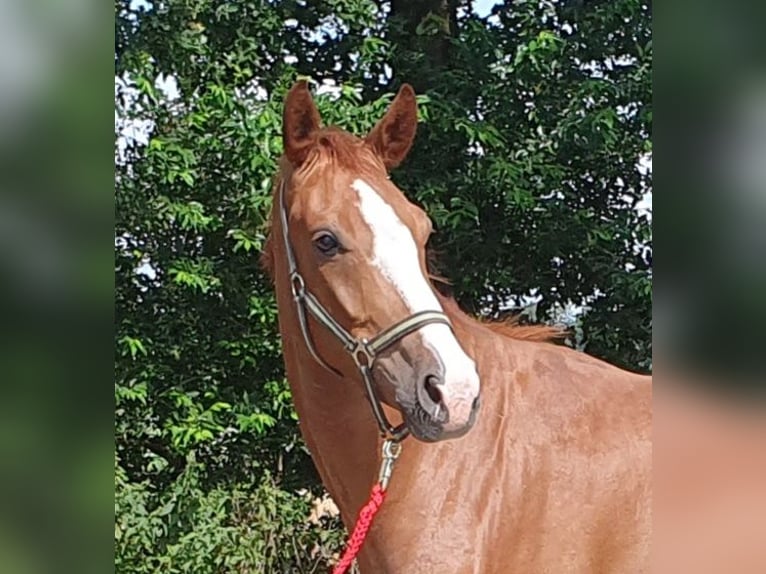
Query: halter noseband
<point x="363" y="351"/>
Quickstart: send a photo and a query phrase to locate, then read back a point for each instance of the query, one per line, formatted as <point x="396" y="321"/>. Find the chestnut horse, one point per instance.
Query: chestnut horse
<point x="548" y="466"/>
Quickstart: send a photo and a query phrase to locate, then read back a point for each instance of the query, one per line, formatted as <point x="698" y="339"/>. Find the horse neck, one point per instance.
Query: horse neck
<point x="336" y="420"/>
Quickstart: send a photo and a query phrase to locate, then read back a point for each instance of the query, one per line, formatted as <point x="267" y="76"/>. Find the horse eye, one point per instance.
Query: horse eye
<point x="326" y="243"/>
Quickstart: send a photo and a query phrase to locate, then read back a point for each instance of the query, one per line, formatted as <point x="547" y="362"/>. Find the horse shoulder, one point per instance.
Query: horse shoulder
<point x="578" y="432"/>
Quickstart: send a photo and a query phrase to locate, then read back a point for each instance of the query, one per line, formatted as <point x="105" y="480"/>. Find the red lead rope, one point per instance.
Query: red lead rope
<point x="391" y="450"/>
<point x="362" y="526"/>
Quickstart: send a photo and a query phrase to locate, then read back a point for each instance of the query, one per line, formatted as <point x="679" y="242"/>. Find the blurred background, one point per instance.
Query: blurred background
<point x="142" y="384"/>
<point x="56" y="291"/>
<point x="709" y="426"/>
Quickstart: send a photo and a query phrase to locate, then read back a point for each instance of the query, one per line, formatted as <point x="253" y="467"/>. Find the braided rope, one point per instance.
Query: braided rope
<point x="362" y="526"/>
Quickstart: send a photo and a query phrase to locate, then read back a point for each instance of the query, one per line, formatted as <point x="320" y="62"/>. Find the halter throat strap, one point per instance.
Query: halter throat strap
<point x="363" y="351"/>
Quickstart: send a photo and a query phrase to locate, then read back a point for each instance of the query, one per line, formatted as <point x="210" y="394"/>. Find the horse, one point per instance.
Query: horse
<point x="525" y="457"/>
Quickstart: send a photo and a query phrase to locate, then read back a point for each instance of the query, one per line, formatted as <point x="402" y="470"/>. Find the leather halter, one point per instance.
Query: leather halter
<point x="363" y="351"/>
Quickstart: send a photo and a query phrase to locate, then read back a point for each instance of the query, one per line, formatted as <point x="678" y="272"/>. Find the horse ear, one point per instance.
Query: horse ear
<point x="392" y="136"/>
<point x="300" y="119"/>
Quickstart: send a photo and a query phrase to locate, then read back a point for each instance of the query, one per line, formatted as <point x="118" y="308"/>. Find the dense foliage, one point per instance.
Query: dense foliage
<point x="534" y="122"/>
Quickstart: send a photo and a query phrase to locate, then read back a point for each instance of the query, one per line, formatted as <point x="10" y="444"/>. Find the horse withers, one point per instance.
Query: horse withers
<point x="526" y="457"/>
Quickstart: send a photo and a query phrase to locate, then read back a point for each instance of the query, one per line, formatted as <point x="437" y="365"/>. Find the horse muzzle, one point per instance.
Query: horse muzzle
<point x="437" y="392"/>
<point x="437" y="415"/>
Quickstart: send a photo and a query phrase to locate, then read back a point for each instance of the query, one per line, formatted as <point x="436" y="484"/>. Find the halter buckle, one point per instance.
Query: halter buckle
<point x="297" y="285"/>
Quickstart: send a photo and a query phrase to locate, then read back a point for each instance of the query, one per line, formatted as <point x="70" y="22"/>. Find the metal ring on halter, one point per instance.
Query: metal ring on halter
<point x="398" y="434"/>
<point x="362" y="350"/>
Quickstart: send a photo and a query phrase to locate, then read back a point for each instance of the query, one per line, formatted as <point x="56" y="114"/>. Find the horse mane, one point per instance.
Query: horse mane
<point x="507" y="327"/>
<point x="511" y="327"/>
<point x="266" y="259"/>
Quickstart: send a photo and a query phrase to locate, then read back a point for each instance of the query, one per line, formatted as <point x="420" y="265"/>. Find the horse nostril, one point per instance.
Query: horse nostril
<point x="431" y="386"/>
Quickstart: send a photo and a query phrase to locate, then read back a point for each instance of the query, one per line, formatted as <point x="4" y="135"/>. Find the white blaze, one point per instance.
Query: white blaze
<point x="395" y="254"/>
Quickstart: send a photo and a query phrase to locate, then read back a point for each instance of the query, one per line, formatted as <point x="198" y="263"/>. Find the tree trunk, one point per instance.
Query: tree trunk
<point x="421" y="30"/>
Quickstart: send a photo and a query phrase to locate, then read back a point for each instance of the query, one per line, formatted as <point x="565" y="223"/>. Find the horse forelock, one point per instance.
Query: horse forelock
<point x="335" y="148"/>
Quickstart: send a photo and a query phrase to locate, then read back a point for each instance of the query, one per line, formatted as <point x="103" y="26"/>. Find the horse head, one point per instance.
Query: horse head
<point x="356" y="257"/>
